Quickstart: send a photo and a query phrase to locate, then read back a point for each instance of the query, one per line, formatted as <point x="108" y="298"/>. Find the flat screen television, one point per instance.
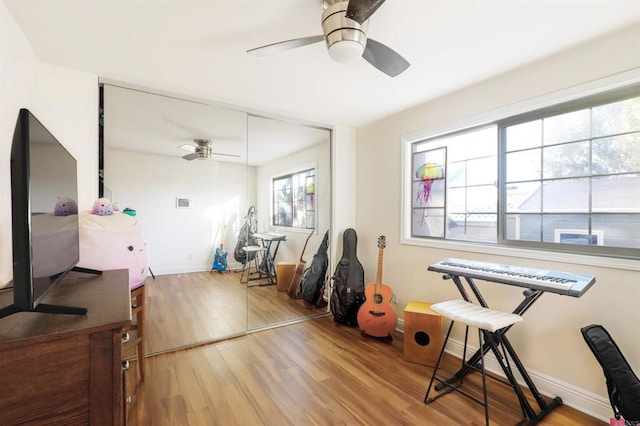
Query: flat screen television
<point x="44" y="193"/>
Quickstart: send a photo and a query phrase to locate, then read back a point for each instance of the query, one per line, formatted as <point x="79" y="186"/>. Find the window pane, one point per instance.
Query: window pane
<point x="482" y="199"/>
<point x="568" y="127"/>
<point x="472" y="227"/>
<point x="482" y="143"/>
<point x="619" y="230"/>
<point x="620" y="154"/>
<point x="282" y="201"/>
<point x="618" y="117"/>
<point x="456" y="147"/>
<point x="524" y="165"/>
<point x="580" y="237"/>
<point x="481" y="171"/>
<point x="457" y="200"/>
<point x="428" y="194"/>
<point x="523" y="197"/>
<point x="565" y="195"/>
<point x="566" y="160"/>
<point x="456" y="174"/>
<point x="523" y="227"/>
<point x="557" y="222"/>
<point x="525" y="135"/>
<point x="434" y="156"/>
<point x="428" y="223"/>
<point x="616" y="194"/>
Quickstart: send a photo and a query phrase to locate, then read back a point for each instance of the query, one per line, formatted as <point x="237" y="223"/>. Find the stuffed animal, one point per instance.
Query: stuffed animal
<point x="102" y="207"/>
<point x="66" y="206"/>
<point x="113" y="242"/>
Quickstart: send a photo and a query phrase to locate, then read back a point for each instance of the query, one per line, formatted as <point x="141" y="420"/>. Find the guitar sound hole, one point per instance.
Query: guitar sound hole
<point x="377" y="298"/>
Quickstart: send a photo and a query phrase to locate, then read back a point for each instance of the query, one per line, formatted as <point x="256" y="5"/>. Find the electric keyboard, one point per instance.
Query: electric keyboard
<point x="566" y="283"/>
<point x="269" y="236"/>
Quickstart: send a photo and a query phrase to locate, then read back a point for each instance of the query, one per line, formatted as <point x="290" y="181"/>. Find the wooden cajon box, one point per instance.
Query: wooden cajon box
<point x="422" y="334"/>
<point x="284" y="274"/>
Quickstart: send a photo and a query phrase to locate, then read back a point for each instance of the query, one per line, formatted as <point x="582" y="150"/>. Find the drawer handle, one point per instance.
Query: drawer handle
<point x="125" y="365"/>
<point x="129" y="400"/>
<point x="125" y="337"/>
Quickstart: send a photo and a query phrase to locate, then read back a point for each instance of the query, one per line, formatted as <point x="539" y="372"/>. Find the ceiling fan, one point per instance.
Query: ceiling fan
<point x="202" y="150"/>
<point x="345" y="24"/>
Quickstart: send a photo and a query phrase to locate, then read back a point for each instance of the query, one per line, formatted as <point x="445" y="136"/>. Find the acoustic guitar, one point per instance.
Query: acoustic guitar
<point x="295" y="292"/>
<point x="376" y="317"/>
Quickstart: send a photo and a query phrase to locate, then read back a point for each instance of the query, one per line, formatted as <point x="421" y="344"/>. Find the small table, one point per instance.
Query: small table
<point x="267" y="268"/>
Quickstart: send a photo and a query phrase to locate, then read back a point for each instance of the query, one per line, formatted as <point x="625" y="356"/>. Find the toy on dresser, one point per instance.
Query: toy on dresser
<point x="113" y="240"/>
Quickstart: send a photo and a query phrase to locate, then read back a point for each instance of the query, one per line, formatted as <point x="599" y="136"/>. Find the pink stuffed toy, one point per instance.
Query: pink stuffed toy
<point x="102" y="207"/>
<point x="65" y="207"/>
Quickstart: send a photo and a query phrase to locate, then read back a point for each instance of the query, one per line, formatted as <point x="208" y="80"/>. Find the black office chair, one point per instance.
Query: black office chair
<point x="623" y="386"/>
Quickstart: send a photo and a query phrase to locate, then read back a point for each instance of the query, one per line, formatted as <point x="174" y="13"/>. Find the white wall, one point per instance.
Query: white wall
<point x="180" y="240"/>
<point x="549" y="341"/>
<point x="317" y="156"/>
<point x="65" y="101"/>
<point x="343" y="158"/>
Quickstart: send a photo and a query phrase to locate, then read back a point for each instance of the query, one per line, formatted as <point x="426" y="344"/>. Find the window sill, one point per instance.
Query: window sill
<point x="550" y="256"/>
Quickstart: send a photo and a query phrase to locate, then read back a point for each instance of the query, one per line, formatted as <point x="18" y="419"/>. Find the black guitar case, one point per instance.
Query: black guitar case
<point x="245" y="237"/>
<point x="348" y="282"/>
<point x="315" y="276"/>
<point x="623" y="385"/>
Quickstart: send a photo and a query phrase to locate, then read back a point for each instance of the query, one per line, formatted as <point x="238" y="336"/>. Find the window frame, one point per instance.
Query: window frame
<point x="587" y="95"/>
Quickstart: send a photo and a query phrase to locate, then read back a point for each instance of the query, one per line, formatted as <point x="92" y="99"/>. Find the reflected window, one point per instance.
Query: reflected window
<point x="294" y="200"/>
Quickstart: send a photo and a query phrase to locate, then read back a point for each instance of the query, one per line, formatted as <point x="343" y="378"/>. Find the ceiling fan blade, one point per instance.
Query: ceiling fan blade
<point x="226" y="155"/>
<point x="190" y="157"/>
<point x="285" y="45"/>
<point x="384" y="58"/>
<point x="187" y="147"/>
<point x="361" y="10"/>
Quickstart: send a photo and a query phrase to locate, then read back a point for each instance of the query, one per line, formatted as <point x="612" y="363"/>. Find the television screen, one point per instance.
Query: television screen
<point x="44" y="193"/>
<point x="54" y="211"/>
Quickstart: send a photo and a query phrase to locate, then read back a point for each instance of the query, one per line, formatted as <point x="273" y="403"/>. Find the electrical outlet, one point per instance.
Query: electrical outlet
<point x="394" y="298"/>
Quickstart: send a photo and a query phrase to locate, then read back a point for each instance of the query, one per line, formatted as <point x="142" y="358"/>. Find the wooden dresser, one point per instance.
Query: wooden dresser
<point x="67" y="369"/>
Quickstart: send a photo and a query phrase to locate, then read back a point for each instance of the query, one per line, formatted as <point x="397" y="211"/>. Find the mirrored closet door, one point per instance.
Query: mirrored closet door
<point x="191" y="199"/>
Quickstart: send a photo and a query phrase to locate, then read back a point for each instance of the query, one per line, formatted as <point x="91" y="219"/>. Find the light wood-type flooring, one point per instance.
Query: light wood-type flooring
<point x="191" y="308"/>
<point x="308" y="373"/>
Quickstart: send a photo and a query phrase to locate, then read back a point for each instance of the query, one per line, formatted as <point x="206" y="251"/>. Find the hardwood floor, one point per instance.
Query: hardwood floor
<point x="187" y="309"/>
<point x="312" y="372"/>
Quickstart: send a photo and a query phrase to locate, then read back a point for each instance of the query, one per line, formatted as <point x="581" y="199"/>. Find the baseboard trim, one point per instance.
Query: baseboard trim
<point x="572" y="396"/>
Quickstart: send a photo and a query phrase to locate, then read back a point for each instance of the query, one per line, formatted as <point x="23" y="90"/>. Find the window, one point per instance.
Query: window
<point x="454" y="186"/>
<point x="294" y="203"/>
<point x="563" y="178"/>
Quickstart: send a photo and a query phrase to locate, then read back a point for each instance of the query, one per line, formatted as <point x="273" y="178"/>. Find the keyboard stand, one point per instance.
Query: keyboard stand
<point x="531" y="417"/>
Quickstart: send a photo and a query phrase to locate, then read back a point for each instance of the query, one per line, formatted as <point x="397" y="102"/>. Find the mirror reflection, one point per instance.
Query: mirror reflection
<point x="193" y="172"/>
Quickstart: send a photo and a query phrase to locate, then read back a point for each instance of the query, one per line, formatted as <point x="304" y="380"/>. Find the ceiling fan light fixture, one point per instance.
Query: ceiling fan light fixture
<point x="345" y="51"/>
<point x="346" y="39"/>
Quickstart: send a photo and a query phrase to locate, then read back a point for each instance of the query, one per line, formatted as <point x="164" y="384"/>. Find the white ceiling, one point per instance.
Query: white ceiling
<point x="197" y="48"/>
<point x="156" y="124"/>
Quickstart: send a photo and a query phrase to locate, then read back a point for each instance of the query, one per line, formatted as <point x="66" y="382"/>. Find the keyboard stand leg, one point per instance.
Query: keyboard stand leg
<point x="530" y="297"/>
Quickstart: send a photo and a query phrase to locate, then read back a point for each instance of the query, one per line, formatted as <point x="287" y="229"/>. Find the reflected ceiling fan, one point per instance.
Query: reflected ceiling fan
<point x="202" y="150"/>
<point x="344" y="24"/>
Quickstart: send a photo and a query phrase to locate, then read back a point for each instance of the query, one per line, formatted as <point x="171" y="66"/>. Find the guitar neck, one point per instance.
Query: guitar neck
<point x="379" y="274"/>
<point x="305" y="246"/>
